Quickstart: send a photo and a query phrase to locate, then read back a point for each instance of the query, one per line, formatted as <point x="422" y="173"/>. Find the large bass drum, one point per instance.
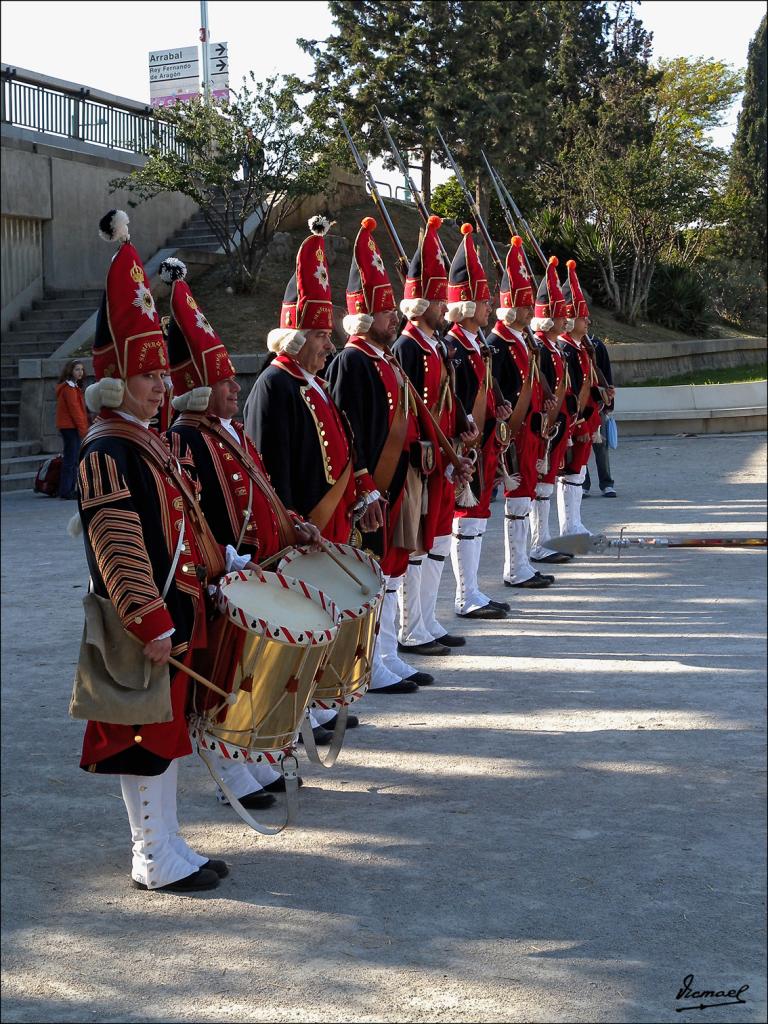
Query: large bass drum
<point x="266" y="649"/>
<point x="346" y="674"/>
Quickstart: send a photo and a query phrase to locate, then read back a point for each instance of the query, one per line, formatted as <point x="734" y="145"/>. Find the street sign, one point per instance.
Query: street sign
<point x="218" y="66"/>
<point x="174" y="75"/>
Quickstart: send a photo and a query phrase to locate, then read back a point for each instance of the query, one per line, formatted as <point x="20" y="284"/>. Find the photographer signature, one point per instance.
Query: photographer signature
<point x="731" y="996"/>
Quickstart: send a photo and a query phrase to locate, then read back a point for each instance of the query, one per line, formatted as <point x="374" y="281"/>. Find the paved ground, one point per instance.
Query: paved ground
<point x="565" y="828"/>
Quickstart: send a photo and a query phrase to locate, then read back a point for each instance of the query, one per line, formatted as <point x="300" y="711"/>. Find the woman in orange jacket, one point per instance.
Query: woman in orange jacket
<point x="71" y="422"/>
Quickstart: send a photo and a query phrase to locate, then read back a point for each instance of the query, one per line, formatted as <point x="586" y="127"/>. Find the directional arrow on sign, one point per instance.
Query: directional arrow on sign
<point x="221" y="49"/>
<point x="221" y="67"/>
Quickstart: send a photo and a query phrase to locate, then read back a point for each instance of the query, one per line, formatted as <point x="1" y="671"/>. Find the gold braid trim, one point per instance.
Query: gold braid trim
<point x="118" y="546"/>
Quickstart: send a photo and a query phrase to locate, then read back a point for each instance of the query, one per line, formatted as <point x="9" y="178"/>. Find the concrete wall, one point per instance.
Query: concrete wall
<point x="637" y="362"/>
<point x="693" y="408"/>
<point x="67" y="187"/>
<point x="37" y="415"/>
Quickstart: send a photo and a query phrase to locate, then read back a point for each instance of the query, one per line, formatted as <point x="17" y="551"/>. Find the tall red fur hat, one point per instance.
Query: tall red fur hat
<point x="369" y="289"/>
<point x="198" y="357"/>
<point x="129" y="339"/>
<point x="307" y="304"/>
<point x="550" y="303"/>
<point x="576" y="304"/>
<point x="427" y="274"/>
<point x="516" y="283"/>
<point x="466" y="279"/>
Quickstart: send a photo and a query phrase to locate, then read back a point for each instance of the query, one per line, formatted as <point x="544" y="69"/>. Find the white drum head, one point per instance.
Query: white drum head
<point x="320" y="571"/>
<point x="279" y="607"/>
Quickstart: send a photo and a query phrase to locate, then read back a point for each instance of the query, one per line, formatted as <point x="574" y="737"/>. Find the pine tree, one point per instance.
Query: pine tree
<point x="749" y="168"/>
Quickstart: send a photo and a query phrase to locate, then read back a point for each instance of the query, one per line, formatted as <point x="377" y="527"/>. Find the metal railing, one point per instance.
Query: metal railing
<point x="72" y="111"/>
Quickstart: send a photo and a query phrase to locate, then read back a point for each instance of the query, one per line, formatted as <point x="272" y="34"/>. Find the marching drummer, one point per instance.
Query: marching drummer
<point x="237" y="498"/>
<point x="150" y="557"/>
<point x="304" y="440"/>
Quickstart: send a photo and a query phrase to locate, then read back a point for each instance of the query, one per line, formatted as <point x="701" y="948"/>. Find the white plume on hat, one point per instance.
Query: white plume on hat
<point x="357" y="323"/>
<point x="414" y="307"/>
<point x="107" y="393"/>
<point x="458" y="311"/>
<point x="113" y="226"/>
<point x="172" y="269"/>
<point x="285" y="339"/>
<point x="319" y="225"/>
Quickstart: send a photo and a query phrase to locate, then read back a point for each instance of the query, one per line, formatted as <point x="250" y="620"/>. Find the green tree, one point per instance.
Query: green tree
<point x="746" y="234"/>
<point x="466" y="68"/>
<point x="647" y="176"/>
<point x="261" y="130"/>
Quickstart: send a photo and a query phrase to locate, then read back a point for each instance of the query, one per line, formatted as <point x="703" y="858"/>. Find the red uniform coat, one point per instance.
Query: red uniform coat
<point x="303" y="442"/>
<point x="511" y="365"/>
<point x="588" y="421"/>
<point x="430" y="377"/>
<point x="368" y="388"/>
<point x="228" y="496"/>
<point x="553" y="366"/>
<point x="132" y="515"/>
<point x="474" y="377"/>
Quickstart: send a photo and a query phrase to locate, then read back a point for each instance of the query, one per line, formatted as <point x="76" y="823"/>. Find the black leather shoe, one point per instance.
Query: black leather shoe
<point x="322" y="736"/>
<point x="420" y="678"/>
<point x="434" y="647"/>
<point x="219" y="866"/>
<point x="404" y="686"/>
<point x="257" y="800"/>
<point x="278" y="786"/>
<point x="487" y="612"/>
<point x="556" y="558"/>
<point x="198" y="881"/>
<point x="505" y="606"/>
<point x="534" y="583"/>
<point x="546" y="576"/>
<point x="450" y="640"/>
<point x="352" y="722"/>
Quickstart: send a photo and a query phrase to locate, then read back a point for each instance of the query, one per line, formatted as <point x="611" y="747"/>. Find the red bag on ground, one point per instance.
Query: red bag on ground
<point x="48" y="476"/>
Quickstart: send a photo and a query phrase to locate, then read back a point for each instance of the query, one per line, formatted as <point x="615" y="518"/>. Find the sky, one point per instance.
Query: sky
<point x="105" y="45"/>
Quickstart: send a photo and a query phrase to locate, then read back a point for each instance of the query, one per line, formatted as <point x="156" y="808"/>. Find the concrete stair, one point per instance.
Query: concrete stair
<point x="19" y="463"/>
<point x="36" y="335"/>
<point x="196" y="234"/>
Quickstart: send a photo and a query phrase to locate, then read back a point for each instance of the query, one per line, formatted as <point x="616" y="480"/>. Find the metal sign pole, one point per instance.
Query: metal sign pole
<point x="205" y="36"/>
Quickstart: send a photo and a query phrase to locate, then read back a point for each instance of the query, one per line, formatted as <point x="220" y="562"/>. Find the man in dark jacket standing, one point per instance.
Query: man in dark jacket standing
<point x="600" y="449"/>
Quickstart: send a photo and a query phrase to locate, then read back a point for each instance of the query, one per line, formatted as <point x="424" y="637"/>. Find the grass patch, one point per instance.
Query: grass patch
<point x="719" y="375"/>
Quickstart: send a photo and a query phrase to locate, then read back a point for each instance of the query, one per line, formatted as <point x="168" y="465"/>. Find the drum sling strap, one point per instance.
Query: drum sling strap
<point x="151" y="446"/>
<point x="387" y="461"/>
<point x="285" y="526"/>
<point x="290" y="767"/>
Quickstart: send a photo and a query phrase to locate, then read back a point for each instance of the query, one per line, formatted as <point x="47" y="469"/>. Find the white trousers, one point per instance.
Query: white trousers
<point x="418" y="595"/>
<point x="466" y="545"/>
<point x="388" y="666"/>
<point x="160" y="855"/>
<point x="540" y="521"/>
<point x="517" y="565"/>
<point x="569" y="495"/>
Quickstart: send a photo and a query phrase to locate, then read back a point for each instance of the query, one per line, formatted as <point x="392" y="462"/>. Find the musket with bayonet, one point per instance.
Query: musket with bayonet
<point x="462" y="424"/>
<point x="362" y="166"/>
<point x="583" y="544"/>
<point x="521" y="406"/>
<point x="402" y="268"/>
<point x="599" y="376"/>
<point x="516" y="211"/>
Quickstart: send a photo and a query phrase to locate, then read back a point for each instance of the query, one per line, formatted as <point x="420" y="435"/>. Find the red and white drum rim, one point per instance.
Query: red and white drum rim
<point x="361" y="556"/>
<point x="274" y="630"/>
<point x="233" y="752"/>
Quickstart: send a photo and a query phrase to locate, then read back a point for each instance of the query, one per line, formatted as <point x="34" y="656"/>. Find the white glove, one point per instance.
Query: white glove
<point x="541" y="466"/>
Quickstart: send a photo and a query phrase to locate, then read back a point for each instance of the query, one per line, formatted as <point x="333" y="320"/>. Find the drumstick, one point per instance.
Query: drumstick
<point x="329" y="551"/>
<point x="230" y="697"/>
